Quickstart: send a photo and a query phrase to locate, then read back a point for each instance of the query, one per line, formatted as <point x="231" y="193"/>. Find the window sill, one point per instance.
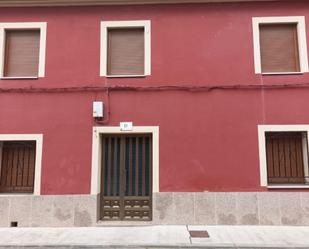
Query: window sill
<point x="20" y="78"/>
<point x="126" y="76"/>
<point x="283" y="73"/>
<point x="288" y="186"/>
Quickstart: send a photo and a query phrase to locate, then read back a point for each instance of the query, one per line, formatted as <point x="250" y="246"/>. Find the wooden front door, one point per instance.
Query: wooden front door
<point x="126" y="186"/>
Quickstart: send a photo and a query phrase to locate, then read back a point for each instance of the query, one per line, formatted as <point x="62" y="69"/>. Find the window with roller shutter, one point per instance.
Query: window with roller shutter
<point x="21" y="53"/>
<point x="125" y="51"/>
<point x="280" y="45"/>
<point x="125" y="48"/>
<point x="22" y="50"/>
<point x="279" y="48"/>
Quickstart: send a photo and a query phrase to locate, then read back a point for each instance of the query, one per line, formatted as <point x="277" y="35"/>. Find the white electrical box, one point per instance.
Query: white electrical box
<point x="126" y="126"/>
<point x="97" y="109"/>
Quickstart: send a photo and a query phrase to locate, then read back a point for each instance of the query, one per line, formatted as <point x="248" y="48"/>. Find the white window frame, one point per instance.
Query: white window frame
<point x="302" y="41"/>
<point x="38" y="138"/>
<point x="262" y="129"/>
<point x="97" y="147"/>
<point x="24" y="26"/>
<point x="125" y="24"/>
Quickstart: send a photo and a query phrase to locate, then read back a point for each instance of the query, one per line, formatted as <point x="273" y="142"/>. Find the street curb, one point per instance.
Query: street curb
<point x="145" y="247"/>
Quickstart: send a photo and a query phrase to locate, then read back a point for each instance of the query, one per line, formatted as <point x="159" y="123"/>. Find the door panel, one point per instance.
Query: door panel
<point x="126" y="177"/>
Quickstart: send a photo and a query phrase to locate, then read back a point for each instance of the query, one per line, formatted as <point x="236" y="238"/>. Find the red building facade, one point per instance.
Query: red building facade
<point x="206" y="108"/>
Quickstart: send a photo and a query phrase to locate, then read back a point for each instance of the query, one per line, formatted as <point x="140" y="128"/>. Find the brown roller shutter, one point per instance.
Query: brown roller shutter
<point x="279" y="48"/>
<point x="22" y="53"/>
<point x="125" y="51"/>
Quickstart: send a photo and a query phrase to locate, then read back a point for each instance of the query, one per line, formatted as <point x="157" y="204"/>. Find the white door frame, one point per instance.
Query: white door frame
<point x="97" y="146"/>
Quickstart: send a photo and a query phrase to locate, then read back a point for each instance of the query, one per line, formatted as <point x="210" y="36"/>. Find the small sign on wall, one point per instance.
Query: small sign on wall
<point x="126" y="126"/>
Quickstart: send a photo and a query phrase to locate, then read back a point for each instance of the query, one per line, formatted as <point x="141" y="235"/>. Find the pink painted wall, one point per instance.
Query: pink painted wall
<point x="208" y="140"/>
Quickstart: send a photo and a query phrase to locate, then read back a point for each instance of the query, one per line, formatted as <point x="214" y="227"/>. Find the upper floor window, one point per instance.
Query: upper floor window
<point x="125" y="48"/>
<point x="280" y="45"/>
<point x="23" y="50"/>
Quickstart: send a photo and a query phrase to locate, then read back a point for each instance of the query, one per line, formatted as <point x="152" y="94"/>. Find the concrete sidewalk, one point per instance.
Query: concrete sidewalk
<point x="156" y="237"/>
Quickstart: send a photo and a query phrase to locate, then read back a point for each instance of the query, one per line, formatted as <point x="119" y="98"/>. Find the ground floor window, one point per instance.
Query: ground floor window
<point x="17" y="166"/>
<point x="284" y="155"/>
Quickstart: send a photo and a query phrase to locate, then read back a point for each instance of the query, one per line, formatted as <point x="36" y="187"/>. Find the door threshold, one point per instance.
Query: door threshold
<point x="120" y="223"/>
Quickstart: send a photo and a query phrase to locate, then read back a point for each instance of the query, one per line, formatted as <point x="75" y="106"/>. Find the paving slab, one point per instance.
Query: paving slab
<point x="94" y="236"/>
<point x="155" y="237"/>
<point x="255" y="236"/>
